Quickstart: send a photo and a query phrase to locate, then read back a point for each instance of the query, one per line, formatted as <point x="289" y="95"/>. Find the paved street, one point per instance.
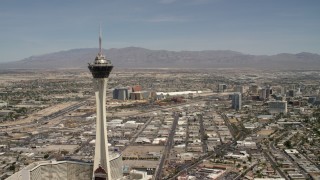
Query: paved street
<point x="168" y="147"/>
<point x="202" y="133"/>
<point x="274" y="165"/>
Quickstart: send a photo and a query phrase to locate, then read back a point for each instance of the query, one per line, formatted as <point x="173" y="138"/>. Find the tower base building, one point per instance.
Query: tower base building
<point x="68" y="170"/>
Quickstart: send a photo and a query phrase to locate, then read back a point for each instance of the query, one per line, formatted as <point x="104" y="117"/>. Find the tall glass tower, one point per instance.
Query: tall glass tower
<point x="236" y="101"/>
<point x="100" y="69"/>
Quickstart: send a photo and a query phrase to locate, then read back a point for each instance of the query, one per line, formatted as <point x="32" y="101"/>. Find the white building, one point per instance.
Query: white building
<point x="242" y="155"/>
<point x="141" y="175"/>
<point x="70" y="170"/>
<point x="3" y="104"/>
<point x="43" y="170"/>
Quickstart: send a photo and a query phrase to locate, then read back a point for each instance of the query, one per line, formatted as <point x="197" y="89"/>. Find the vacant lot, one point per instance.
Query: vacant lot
<point x="141" y="150"/>
<point x="265" y="132"/>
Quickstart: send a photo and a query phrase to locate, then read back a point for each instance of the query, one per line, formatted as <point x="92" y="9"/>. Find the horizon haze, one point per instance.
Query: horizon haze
<point x="135" y="57"/>
<point x="252" y="27"/>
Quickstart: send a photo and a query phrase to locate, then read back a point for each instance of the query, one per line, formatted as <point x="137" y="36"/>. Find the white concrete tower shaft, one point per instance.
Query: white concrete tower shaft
<point x="100" y="70"/>
<point x="101" y="155"/>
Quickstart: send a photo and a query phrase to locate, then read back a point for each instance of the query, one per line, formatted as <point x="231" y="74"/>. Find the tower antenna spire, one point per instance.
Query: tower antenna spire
<point x="100" y="40"/>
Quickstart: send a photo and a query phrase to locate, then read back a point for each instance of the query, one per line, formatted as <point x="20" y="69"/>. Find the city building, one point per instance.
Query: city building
<point x="71" y="170"/>
<point x="283" y="91"/>
<point x="254" y="89"/>
<point x="122" y="93"/>
<point x="239" y="89"/>
<point x="222" y="87"/>
<point x="298" y="92"/>
<point x="3" y="104"/>
<point x="136" y="96"/>
<point x="291" y="93"/>
<point x="140" y="95"/>
<point x="312" y="100"/>
<point x="141" y="175"/>
<point x="276" y="107"/>
<point x="236" y="101"/>
<point x="263" y="94"/>
<point x="136" y="88"/>
<point x="269" y="91"/>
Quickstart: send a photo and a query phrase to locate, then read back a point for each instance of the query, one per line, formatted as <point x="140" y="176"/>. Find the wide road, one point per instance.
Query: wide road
<point x="228" y="124"/>
<point x="273" y="148"/>
<point x="202" y="133"/>
<point x="45" y="119"/>
<point x="135" y="136"/>
<point x="274" y="165"/>
<point x="219" y="151"/>
<point x="168" y="147"/>
<point x="62" y="111"/>
<point x="245" y="171"/>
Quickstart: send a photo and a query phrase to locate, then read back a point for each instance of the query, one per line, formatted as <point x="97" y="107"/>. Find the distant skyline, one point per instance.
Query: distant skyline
<point x="259" y="27"/>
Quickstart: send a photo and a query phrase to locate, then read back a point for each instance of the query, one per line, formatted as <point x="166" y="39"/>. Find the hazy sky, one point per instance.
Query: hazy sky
<point x="33" y="27"/>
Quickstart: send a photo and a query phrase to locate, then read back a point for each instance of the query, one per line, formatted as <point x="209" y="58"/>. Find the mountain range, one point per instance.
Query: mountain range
<point x="135" y="57"/>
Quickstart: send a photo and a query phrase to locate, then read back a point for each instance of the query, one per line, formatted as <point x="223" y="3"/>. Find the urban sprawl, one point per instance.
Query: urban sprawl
<point x="163" y="124"/>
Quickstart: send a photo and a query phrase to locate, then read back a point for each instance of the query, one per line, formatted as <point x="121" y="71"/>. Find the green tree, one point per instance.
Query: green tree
<point x="46" y="156"/>
<point x="205" y="137"/>
<point x="12" y="167"/>
<point x="288" y="144"/>
<point x="64" y="152"/>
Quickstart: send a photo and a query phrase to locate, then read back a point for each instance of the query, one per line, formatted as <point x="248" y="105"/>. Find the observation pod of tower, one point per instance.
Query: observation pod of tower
<point x="100" y="69"/>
